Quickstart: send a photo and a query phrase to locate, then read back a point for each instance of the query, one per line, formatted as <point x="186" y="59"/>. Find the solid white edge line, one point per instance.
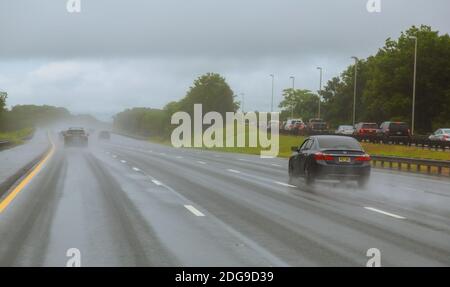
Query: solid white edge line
<point x="136" y="169"/>
<point x="384" y="212"/>
<point x="194" y="210"/>
<point x="123" y="161"/>
<point x="233" y="170"/>
<point x="201" y="162"/>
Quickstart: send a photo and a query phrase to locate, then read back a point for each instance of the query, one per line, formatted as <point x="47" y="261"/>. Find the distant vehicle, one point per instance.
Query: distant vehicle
<point x="395" y="132"/>
<point x="440" y="135"/>
<point x="345" y="130"/>
<point x="366" y="129"/>
<point x="292" y="123"/>
<point x="75" y="136"/>
<point x="61" y="135"/>
<point x="104" y="135"/>
<point x="317" y="125"/>
<point x="330" y="157"/>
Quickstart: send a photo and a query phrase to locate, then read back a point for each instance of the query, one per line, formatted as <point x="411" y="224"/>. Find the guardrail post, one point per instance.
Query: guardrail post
<point x="419" y="167"/>
<point x="399" y="167"/>
<point x="440" y="170"/>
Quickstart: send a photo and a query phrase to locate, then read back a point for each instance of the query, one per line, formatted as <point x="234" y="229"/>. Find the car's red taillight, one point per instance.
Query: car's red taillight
<point x="322" y="156"/>
<point x="365" y="157"/>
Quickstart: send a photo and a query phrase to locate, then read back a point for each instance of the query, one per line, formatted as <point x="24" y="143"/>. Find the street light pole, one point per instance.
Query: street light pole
<point x="271" y="105"/>
<point x="414" y="85"/>
<point x="320" y="88"/>
<point x="293" y="91"/>
<point x="243" y="101"/>
<point x="354" y="92"/>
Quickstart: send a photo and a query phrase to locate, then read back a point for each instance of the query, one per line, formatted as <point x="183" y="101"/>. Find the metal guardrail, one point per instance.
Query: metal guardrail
<point x="4" y="144"/>
<point x="412" y="164"/>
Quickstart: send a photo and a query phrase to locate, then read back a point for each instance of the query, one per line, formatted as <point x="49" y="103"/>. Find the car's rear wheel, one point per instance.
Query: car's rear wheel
<point x="309" y="177"/>
<point x="291" y="173"/>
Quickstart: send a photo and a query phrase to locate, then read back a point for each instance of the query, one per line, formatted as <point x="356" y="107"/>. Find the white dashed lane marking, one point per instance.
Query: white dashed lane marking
<point x="156" y="182"/>
<point x="384" y="212"/>
<point x="284" y="184"/>
<point x="194" y="210"/>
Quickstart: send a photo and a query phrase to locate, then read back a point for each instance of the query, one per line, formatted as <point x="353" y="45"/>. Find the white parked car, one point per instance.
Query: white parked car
<point x="440" y="135"/>
<point x="345" y="130"/>
<point x="292" y="123"/>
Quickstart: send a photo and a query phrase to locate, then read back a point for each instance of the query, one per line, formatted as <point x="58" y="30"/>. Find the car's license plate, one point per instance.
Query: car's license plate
<point x="344" y="159"/>
<point x="399" y="133"/>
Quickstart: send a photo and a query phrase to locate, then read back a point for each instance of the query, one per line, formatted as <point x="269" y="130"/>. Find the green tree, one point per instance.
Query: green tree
<point x="212" y="91"/>
<point x="299" y="103"/>
<point x="3" y="97"/>
<point x="385" y="83"/>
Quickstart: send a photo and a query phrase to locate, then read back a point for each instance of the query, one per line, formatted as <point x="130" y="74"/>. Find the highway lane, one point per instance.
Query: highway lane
<point x="126" y="202"/>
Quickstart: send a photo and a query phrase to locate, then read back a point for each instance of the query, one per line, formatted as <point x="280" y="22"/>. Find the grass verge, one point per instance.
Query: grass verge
<point x="16" y="137"/>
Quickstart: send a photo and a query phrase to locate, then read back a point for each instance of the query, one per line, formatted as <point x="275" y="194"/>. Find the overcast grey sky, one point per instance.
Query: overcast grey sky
<point x="124" y="53"/>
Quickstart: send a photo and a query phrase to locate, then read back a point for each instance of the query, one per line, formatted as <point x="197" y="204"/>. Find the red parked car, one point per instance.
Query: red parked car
<point x="366" y="130"/>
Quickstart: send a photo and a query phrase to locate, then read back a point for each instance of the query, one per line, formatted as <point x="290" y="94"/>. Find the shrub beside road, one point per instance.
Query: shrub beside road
<point x="16" y="137"/>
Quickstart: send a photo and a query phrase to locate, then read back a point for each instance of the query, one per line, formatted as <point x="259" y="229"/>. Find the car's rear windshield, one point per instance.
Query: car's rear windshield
<point x="76" y="132"/>
<point x="446" y="131"/>
<point x="398" y="126"/>
<point x="370" y="126"/>
<point x="337" y="143"/>
<point x="346" y="127"/>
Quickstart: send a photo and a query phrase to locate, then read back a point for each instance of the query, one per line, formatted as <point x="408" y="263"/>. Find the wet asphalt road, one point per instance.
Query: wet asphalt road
<point x="126" y="202"/>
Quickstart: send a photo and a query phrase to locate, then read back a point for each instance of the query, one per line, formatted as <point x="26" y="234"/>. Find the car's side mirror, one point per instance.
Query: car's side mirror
<point x="294" y="148"/>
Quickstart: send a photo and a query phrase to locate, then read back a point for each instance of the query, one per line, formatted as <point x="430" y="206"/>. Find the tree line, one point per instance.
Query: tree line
<point x="28" y="116"/>
<point x="384" y="91"/>
<point x="211" y="90"/>
<point x="384" y="86"/>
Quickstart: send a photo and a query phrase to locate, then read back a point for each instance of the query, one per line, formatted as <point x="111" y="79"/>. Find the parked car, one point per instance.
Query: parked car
<point x="440" y="135"/>
<point x="366" y="130"/>
<point x="317" y="125"/>
<point x="394" y="132"/>
<point x="345" y="130"/>
<point x="291" y="124"/>
<point x="330" y="157"/>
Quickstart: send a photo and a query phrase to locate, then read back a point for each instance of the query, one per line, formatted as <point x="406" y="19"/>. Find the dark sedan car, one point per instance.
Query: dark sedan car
<point x="75" y="137"/>
<point x="330" y="157"/>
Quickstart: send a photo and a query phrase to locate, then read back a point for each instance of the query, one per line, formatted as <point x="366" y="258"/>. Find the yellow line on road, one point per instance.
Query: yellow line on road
<point x="10" y="197"/>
